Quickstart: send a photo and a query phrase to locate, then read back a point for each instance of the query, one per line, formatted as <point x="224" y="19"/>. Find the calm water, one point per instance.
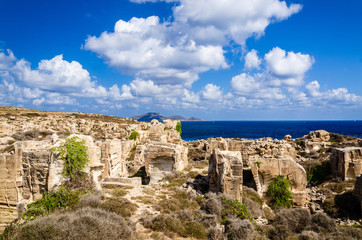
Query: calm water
<point x="258" y="129"/>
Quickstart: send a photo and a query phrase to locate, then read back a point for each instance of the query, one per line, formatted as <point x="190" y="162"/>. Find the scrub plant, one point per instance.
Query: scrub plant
<point x="178" y="128"/>
<point x="74" y="154"/>
<point x="279" y="192"/>
<point x="134" y="135"/>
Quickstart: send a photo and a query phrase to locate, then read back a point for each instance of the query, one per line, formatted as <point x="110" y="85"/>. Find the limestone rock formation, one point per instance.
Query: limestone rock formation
<point x="162" y="158"/>
<point x="347" y="162"/>
<point x="315" y="141"/>
<point x="263" y="159"/>
<point x="226" y="173"/>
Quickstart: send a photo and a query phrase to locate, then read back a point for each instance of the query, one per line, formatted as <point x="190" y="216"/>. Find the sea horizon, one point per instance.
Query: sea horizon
<point x="276" y="129"/>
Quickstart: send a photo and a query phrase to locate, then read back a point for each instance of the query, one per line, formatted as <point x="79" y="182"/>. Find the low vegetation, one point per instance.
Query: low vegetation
<point x="59" y="199"/>
<point x="74" y="154"/>
<point x="279" y="192"/>
<point x="85" y="223"/>
<point x="178" y="128"/>
<point x="319" y="173"/>
<point x="134" y="135"/>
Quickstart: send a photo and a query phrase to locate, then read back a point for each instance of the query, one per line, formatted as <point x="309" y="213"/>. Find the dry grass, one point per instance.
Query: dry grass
<point x="178" y="201"/>
<point x="120" y="206"/>
<point x="144" y="199"/>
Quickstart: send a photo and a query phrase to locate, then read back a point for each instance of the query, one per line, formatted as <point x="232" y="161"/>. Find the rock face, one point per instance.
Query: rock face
<point x="226" y="173"/>
<point x="357" y="192"/>
<point x="23" y="176"/>
<point x="162" y="158"/>
<point x="263" y="159"/>
<point x="347" y="162"/>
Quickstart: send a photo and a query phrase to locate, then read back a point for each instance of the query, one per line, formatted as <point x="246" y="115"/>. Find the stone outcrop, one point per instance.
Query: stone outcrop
<point x="162" y="158"/>
<point x="263" y="159"/>
<point x="226" y="173"/>
<point x="159" y="132"/>
<point x="315" y="141"/>
<point x="347" y="162"/>
<point x="23" y="176"/>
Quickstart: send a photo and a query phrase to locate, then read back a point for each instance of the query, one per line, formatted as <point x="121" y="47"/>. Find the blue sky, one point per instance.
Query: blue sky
<point x="214" y="59"/>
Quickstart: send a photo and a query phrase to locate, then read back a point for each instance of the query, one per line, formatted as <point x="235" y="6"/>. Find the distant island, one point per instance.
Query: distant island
<point x="148" y="117"/>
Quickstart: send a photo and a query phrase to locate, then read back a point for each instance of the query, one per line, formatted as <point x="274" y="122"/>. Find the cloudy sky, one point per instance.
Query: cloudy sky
<point x="214" y="59"/>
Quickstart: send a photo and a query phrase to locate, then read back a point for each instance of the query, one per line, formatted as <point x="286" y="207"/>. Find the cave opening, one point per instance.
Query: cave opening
<point x="248" y="179"/>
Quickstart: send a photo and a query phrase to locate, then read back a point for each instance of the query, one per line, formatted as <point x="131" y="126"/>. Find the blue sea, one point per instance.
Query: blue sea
<point x="259" y="129"/>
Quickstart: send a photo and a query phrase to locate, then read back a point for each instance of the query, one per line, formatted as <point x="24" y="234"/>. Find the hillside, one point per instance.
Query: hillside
<point x="148" y="117"/>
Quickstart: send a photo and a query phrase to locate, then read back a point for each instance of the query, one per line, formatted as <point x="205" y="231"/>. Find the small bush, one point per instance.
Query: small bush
<point x="169" y="224"/>
<point x="134" y="135"/>
<point x="120" y="206"/>
<point x="90" y="200"/>
<point x="30" y="114"/>
<point x="279" y="192"/>
<point x="86" y="223"/>
<point x="58" y="199"/>
<point x="335" y="138"/>
<point x="309" y="235"/>
<point x="234" y="208"/>
<point x="253" y="201"/>
<point x="212" y="205"/>
<point x="319" y="173"/>
<point x="329" y="206"/>
<point x="239" y="229"/>
<point x="178" y="201"/>
<point x="295" y="220"/>
<point x="322" y="223"/>
<point x="74" y="154"/>
<point x="178" y="128"/>
<point x="166" y="223"/>
<point x="347" y="233"/>
<point x="195" y="229"/>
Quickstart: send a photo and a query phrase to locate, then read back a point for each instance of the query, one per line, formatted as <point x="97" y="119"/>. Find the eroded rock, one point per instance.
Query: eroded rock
<point x="226" y="173"/>
<point x="347" y="162"/>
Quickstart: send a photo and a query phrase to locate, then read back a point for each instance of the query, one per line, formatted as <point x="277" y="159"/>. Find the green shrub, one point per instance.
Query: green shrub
<point x="234" y="207"/>
<point x="195" y="229"/>
<point x="30" y="114"/>
<point x="319" y="173"/>
<point x="335" y="137"/>
<point x="61" y="198"/>
<point x="74" y="153"/>
<point x="178" y="127"/>
<point x="279" y="192"/>
<point x="134" y="135"/>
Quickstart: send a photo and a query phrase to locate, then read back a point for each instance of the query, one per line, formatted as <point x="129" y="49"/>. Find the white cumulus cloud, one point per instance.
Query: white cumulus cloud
<point x="54" y="74"/>
<point x="287" y="68"/>
<point x="212" y="92"/>
<point x="230" y="19"/>
<point x="144" y="48"/>
<point x="252" y="60"/>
